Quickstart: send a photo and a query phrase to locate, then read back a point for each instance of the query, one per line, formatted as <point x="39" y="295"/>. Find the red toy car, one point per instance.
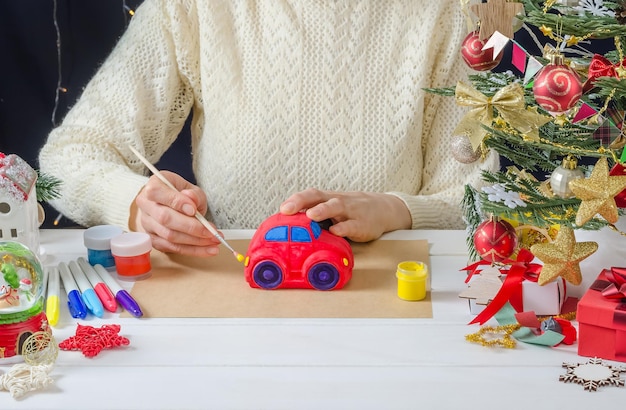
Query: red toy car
<point x="292" y="251"/>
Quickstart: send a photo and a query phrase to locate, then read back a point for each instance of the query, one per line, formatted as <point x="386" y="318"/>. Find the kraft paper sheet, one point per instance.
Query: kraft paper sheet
<point x="216" y="287"/>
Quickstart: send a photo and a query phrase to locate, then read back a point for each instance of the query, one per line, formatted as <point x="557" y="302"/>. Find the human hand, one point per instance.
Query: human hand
<point x="358" y="216"/>
<point x="169" y="217"/>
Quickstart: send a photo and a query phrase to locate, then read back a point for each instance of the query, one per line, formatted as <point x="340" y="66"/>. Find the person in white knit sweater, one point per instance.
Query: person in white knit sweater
<point x="313" y="105"/>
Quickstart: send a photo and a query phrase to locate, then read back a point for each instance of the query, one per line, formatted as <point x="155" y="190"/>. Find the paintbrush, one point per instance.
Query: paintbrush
<point x="198" y="215"/>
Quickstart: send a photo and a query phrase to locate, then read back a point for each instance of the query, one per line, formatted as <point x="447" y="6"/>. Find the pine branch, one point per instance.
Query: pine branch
<point x="47" y="187"/>
<point x="557" y="141"/>
<point x="486" y="83"/>
<point x="597" y="27"/>
<point x="473" y="218"/>
<point x="604" y="86"/>
<point x="540" y="211"/>
<point x="525" y="155"/>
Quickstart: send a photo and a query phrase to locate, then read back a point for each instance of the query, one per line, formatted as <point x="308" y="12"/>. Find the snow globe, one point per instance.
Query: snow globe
<point x="21" y="299"/>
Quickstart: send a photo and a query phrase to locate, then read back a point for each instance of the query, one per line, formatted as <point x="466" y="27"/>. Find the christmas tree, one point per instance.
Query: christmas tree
<point x="556" y="116"/>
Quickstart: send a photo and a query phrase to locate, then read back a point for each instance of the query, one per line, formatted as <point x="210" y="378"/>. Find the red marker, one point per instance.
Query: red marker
<point x="102" y="290"/>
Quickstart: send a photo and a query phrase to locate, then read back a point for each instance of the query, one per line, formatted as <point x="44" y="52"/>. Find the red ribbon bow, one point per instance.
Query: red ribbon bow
<point x="521" y="269"/>
<point x="600" y="66"/>
<point x="617" y="288"/>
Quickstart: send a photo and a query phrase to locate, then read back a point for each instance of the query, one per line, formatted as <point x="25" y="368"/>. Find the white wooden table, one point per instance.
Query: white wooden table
<point x="311" y="363"/>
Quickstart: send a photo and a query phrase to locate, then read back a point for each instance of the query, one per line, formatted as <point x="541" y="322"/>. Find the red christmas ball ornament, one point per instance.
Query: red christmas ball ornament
<point x="474" y="55"/>
<point x="495" y="240"/>
<point x="557" y="87"/>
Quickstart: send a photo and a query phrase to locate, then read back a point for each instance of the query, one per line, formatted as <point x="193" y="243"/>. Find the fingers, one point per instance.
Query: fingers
<point x="166" y="246"/>
<point x="187" y="200"/>
<point x="169" y="217"/>
<point x="304" y="200"/>
<point x="353" y="230"/>
<point x="359" y="216"/>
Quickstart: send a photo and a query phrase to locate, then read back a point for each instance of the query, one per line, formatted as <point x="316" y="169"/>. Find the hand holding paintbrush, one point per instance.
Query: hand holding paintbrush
<point x="198" y="215"/>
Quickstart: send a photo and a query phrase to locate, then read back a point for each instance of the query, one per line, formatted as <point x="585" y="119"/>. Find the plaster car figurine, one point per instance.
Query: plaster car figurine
<point x="293" y="251"/>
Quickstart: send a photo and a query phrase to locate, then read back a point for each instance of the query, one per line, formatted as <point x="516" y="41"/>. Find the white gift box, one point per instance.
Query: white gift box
<point x="546" y="300"/>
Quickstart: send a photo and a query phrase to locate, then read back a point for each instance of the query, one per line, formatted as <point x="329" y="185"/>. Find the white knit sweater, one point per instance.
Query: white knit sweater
<point x="285" y="95"/>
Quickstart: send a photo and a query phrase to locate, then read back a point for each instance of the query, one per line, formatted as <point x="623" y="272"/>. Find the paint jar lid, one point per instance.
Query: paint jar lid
<point x="99" y="237"/>
<point x="412" y="271"/>
<point x="131" y="244"/>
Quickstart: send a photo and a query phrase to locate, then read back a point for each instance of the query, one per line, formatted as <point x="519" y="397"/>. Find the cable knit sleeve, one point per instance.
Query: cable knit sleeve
<point x="438" y="202"/>
<point x="139" y="97"/>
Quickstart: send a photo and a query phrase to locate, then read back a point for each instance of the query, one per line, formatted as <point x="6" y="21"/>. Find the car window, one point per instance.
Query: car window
<point x="277" y="234"/>
<point x="300" y="234"/>
<point x="316" y="229"/>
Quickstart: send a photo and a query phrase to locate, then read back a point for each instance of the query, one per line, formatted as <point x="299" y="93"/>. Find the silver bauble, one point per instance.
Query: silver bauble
<point x="462" y="151"/>
<point x="562" y="175"/>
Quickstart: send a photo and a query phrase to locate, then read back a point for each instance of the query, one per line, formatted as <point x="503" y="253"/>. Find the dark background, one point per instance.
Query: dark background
<point x="89" y="29"/>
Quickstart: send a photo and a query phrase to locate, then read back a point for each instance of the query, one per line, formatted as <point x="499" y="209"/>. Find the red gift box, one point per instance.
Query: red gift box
<point x="601" y="323"/>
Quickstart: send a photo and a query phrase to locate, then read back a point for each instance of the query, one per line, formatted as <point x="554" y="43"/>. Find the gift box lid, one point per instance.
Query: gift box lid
<point x="595" y="309"/>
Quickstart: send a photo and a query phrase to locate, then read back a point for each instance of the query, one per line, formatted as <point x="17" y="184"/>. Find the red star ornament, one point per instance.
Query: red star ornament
<point x="598" y="193"/>
<point x="496" y="15"/>
<point x="562" y="257"/>
<point x="91" y="340"/>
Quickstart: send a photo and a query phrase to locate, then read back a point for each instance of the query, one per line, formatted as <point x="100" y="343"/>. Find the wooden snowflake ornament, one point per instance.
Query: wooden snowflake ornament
<point x="593" y="374"/>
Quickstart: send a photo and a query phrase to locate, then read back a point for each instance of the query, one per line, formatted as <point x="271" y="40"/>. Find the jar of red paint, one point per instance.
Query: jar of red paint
<point x="131" y="251"/>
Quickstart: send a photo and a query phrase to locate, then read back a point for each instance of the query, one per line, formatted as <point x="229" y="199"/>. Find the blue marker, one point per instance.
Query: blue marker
<point x="78" y="310"/>
<point x="88" y="294"/>
<point x="122" y="296"/>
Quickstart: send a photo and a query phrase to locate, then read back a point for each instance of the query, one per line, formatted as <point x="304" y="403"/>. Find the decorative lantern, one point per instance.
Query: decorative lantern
<point x="19" y="210"/>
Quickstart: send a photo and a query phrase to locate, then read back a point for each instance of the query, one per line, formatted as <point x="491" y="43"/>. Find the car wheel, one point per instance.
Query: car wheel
<point x="267" y="275"/>
<point x="323" y="276"/>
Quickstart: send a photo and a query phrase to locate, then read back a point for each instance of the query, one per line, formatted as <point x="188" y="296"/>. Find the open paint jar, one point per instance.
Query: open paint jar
<point x="131" y="252"/>
<point x="412" y="277"/>
<point x="97" y="240"/>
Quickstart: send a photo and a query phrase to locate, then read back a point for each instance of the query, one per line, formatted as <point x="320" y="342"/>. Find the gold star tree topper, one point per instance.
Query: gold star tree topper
<point x="562" y="257"/>
<point x="598" y="193"/>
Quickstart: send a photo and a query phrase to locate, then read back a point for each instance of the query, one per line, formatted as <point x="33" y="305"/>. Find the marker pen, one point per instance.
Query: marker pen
<point x="122" y="296"/>
<point x="77" y="307"/>
<point x="87" y="292"/>
<point x="102" y="290"/>
<point x="52" y="298"/>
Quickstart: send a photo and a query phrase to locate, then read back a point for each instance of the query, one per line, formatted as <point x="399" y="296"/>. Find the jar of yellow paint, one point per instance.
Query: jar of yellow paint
<point x="412" y="276"/>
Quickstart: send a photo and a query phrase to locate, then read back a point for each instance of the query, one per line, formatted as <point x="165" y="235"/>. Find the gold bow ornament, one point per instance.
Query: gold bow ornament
<point x="509" y="103"/>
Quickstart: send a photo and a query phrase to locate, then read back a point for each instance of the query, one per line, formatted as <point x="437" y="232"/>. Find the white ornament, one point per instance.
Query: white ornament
<point x="462" y="150"/>
<point x="497" y="193"/>
<point x="562" y="175"/>
<point x="594" y="7"/>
